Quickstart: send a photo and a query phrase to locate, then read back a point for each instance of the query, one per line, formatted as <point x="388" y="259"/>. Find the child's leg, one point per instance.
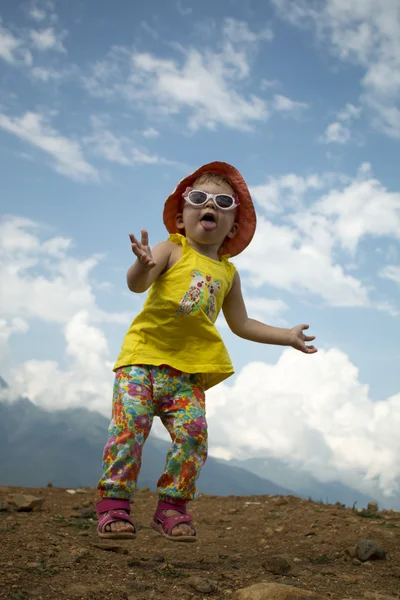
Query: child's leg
<point x="183" y="414"/>
<point x="132" y="417"/>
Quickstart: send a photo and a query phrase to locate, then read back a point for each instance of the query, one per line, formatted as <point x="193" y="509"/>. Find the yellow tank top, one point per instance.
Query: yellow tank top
<point x="176" y="326"/>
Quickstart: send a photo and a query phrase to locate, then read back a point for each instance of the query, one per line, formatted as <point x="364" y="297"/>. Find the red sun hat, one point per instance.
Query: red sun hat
<point x="247" y="219"/>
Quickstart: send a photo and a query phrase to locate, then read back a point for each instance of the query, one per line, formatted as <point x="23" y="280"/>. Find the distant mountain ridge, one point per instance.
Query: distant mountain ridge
<point x="65" y="447"/>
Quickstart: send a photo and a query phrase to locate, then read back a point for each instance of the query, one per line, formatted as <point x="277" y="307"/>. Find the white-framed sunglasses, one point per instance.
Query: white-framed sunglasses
<point x="199" y="198"/>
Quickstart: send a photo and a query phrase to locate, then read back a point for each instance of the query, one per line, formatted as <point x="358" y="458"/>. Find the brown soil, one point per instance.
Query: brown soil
<point x="49" y="553"/>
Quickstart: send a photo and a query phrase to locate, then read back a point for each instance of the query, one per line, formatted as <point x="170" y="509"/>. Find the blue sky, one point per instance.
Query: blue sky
<point x="103" y="108"/>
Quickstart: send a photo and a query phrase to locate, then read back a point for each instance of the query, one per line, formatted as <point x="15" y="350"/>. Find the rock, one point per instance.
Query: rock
<point x="396" y="572"/>
<point x="4" y="506"/>
<point x="110" y="547"/>
<point x="274" y="591"/>
<point x="373" y="508"/>
<point x="356" y="562"/>
<point x="369" y="550"/>
<point x="204" y="586"/>
<point x="25" y="503"/>
<point x="278" y="564"/>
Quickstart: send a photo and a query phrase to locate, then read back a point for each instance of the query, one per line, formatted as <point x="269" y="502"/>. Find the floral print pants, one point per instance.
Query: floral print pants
<point x="141" y="393"/>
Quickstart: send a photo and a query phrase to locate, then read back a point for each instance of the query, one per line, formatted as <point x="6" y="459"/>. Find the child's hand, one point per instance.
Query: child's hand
<point x="142" y="250"/>
<point x="297" y="339"/>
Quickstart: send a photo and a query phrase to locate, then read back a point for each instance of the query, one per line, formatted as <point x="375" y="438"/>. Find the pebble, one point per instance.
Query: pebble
<point x="278" y="564"/>
<point x="199" y="584"/>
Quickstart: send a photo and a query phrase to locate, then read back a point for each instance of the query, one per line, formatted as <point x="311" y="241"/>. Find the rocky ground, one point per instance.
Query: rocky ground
<point x="249" y="549"/>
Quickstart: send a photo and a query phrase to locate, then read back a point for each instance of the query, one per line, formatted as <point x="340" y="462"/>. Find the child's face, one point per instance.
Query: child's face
<point x="208" y="224"/>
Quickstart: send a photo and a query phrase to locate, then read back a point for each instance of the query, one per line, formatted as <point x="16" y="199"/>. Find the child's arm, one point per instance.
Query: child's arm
<point x="249" y="329"/>
<point x="149" y="264"/>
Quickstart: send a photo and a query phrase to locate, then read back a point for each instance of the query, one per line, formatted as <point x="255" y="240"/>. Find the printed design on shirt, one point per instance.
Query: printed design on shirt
<point x="193" y="299"/>
<point x="211" y="306"/>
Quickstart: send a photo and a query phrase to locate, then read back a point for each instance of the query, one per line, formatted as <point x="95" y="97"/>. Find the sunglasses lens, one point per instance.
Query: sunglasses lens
<point x="224" y="201"/>
<point x="197" y="197"/>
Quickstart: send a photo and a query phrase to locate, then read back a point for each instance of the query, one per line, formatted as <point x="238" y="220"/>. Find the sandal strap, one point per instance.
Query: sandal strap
<point x="109" y="504"/>
<point x="168" y="523"/>
<point x="162" y="505"/>
<point x="113" y="516"/>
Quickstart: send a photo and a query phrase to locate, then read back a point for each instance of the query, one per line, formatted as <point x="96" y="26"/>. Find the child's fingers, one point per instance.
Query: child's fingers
<point x="145" y="237"/>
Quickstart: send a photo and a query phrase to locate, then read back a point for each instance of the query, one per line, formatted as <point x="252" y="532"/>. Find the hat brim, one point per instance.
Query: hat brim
<point x="247" y="215"/>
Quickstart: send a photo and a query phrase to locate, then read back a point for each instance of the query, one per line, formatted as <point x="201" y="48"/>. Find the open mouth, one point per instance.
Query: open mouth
<point x="208" y="217"/>
<point x="208" y="221"/>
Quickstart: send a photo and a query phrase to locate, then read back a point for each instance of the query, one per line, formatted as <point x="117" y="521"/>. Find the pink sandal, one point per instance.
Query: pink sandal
<point x="111" y="510"/>
<point x="164" y="525"/>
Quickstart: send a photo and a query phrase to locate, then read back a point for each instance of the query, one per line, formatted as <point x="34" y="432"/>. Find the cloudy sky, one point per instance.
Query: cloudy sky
<point x="105" y="106"/>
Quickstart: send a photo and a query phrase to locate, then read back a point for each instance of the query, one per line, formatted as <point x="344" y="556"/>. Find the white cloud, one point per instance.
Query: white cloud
<point x="183" y="10"/>
<point x="201" y="85"/>
<point x="238" y="32"/>
<point x="9" y="45"/>
<point x="37" y="14"/>
<point x="349" y="113"/>
<point x="87" y="381"/>
<point x="337" y="133"/>
<point x="288" y="191"/>
<point x="363" y="208"/>
<point x="284" y="104"/>
<point x="268" y="83"/>
<point x="299" y="261"/>
<point x="312" y="412"/>
<point x="325" y="215"/>
<point x="46" y="39"/>
<point x="46" y="74"/>
<point x="41" y="281"/>
<point x="150" y="132"/>
<point x="120" y="149"/>
<point x="9" y="327"/>
<point x="366" y="34"/>
<point x="150" y="30"/>
<point x="66" y="154"/>
<point x="391" y="272"/>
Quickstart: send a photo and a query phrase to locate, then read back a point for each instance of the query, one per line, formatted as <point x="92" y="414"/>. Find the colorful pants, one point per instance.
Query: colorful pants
<point x="140" y="394"/>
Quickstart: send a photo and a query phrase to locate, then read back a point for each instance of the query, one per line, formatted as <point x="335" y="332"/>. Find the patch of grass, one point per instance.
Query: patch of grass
<point x="41" y="569"/>
<point x="323" y="559"/>
<point x="82" y="524"/>
<point x="170" y="571"/>
<point x="19" y="595"/>
<point x="390" y="525"/>
<point x="8" y="527"/>
<point x="365" y="514"/>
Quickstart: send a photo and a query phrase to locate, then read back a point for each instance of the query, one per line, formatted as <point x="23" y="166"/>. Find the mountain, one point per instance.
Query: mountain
<point x="306" y="486"/>
<point x="65" y="448"/>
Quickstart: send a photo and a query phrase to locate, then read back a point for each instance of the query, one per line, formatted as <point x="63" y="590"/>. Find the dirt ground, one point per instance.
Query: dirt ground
<point x="51" y="552"/>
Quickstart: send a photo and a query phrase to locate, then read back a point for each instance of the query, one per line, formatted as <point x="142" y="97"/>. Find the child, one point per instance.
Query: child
<point x="173" y="352"/>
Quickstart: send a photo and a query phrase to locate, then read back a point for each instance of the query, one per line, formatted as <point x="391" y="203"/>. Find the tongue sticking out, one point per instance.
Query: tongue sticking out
<point x="208" y="225"/>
